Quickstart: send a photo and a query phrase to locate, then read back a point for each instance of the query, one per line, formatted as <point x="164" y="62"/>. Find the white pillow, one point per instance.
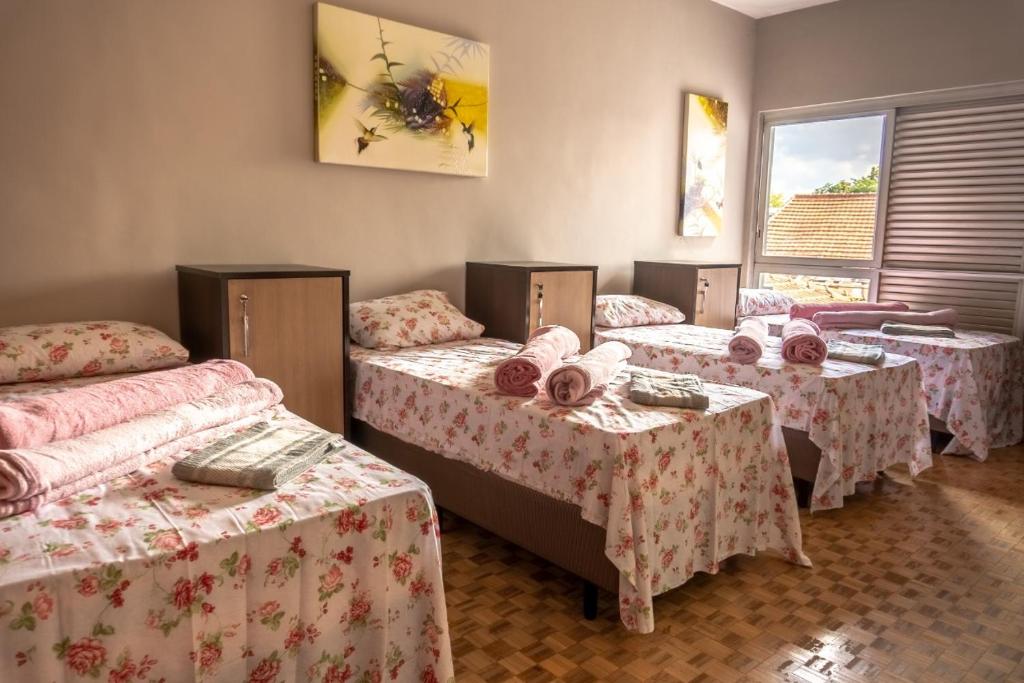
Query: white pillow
<point x="629" y="310"/>
<point x="762" y="302"/>
<point x="411" y="319"/>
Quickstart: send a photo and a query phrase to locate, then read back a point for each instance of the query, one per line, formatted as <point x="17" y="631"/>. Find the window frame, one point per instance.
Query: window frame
<point x="768" y="122"/>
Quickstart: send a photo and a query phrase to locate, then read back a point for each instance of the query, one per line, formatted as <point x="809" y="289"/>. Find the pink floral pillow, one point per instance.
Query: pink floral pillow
<point x="762" y="302"/>
<point x="32" y="353"/>
<point x="629" y="310"/>
<point x="412" y="319"/>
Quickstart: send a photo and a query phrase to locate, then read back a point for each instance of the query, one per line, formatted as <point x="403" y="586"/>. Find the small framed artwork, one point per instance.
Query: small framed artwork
<point x="702" y="196"/>
<point x="392" y="95"/>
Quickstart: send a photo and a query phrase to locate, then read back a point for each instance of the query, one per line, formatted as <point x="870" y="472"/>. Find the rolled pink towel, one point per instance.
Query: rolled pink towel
<point x="747" y="343"/>
<point x="851" y="320"/>
<point x="30" y="422"/>
<point x="584" y="381"/>
<point x="524" y="373"/>
<point x="802" y="342"/>
<point x="808" y="311"/>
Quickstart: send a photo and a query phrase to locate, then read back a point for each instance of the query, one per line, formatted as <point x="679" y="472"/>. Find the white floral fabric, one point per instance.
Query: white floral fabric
<point x="678" y="491"/>
<point x="628" y="310"/>
<point x="336" y="576"/>
<point x="411" y="319"/>
<point x="32" y="353"/>
<point x="863" y="419"/>
<point x="974" y="384"/>
<point x="762" y="302"/>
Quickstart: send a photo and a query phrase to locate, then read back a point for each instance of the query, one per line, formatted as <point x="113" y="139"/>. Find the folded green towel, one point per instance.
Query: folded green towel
<point x="856" y="353"/>
<point x="918" y="330"/>
<point x="260" y="457"/>
<point x="656" y="388"/>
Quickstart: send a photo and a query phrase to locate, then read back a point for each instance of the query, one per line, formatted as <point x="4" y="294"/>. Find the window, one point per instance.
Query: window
<point x="915" y="198"/>
<point x="819" y="213"/>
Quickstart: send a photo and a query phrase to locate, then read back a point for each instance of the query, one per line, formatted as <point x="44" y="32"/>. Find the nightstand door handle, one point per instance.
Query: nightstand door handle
<point x="705" y="285"/>
<point x="244" y="299"/>
<point x="540" y="305"/>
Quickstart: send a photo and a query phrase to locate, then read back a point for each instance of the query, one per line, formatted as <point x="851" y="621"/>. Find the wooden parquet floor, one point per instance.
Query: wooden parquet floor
<point x="913" y="580"/>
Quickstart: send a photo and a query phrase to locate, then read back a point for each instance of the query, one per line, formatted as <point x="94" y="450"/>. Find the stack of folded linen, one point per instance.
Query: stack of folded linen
<point x="909" y="330"/>
<point x="856" y="353"/>
<point x="852" y="320"/>
<point x="667" y="389"/>
<point x="60" y="444"/>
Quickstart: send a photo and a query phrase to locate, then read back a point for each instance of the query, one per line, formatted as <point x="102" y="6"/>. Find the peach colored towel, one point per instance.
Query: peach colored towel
<point x="807" y="311"/>
<point x="861" y="320"/>
<point x="747" y="343"/>
<point x="34" y="421"/>
<point x="584" y="381"/>
<point x="524" y="373"/>
<point x="802" y="342"/>
<point x="30" y="477"/>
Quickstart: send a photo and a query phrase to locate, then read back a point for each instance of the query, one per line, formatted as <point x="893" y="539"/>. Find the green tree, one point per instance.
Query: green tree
<point x="776" y="200"/>
<point x="866" y="183"/>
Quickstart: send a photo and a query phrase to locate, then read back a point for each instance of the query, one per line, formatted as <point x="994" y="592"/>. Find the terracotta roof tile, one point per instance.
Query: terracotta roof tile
<point x="840" y="226"/>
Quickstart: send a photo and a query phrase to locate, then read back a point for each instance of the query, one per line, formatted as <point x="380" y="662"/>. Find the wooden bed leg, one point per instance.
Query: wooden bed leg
<point x="589" y="601"/>
<point x="804" y="491"/>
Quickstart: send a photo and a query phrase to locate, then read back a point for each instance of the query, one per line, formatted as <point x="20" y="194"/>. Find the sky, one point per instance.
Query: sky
<point x="808" y="155"/>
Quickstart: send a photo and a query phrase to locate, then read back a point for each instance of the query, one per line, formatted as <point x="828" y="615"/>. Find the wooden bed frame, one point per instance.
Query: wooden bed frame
<point x="549" y="528"/>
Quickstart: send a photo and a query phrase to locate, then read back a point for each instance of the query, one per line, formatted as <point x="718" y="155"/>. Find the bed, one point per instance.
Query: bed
<point x="974" y="383"/>
<point x="844" y="422"/>
<point x="632" y="499"/>
<point x="336" y="575"/>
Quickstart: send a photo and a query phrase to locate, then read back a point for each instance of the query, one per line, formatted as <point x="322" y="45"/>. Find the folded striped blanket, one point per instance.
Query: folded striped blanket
<point x="908" y="330"/>
<point x="657" y="388"/>
<point x="856" y="353"/>
<point x="259" y="457"/>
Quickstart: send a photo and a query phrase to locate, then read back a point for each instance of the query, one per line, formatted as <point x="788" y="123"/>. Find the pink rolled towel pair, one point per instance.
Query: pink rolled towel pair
<point x="808" y="311"/>
<point x="747" y="343"/>
<point x="802" y="342"/>
<point x="524" y="373"/>
<point x="851" y="320"/>
<point x="584" y="381"/>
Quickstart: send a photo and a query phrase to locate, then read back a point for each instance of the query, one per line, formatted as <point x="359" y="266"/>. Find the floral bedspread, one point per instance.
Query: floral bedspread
<point x="974" y="384"/>
<point x="863" y="419"/>
<point x="334" y="577"/>
<point x="678" y="491"/>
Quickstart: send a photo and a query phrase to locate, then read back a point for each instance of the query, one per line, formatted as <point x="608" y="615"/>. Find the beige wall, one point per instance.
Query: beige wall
<point x="868" y="48"/>
<point x="139" y="134"/>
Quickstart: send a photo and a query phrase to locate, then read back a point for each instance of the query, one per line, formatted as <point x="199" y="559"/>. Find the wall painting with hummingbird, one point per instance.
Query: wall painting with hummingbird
<point x="392" y="95"/>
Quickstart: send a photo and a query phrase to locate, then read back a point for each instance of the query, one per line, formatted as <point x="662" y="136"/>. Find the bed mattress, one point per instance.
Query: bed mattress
<point x="864" y="419"/>
<point x="677" y="491"/>
<point x="335" y="575"/>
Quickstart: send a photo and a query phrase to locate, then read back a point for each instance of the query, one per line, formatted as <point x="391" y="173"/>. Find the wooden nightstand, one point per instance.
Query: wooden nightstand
<point x="513" y="298"/>
<point x="289" y="323"/>
<point x="706" y="293"/>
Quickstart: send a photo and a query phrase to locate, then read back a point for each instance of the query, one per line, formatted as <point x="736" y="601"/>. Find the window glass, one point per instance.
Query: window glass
<point x="823" y="188"/>
<point x="817" y="288"/>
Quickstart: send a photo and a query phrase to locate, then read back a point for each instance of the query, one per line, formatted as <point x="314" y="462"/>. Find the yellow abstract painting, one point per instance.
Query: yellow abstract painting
<point x="702" y="199"/>
<point x="392" y="95"/>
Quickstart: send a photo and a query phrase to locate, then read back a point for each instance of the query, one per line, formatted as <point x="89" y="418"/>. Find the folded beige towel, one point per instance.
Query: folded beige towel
<point x="260" y="457"/>
<point x="856" y="353"/>
<point x="656" y="388"/>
